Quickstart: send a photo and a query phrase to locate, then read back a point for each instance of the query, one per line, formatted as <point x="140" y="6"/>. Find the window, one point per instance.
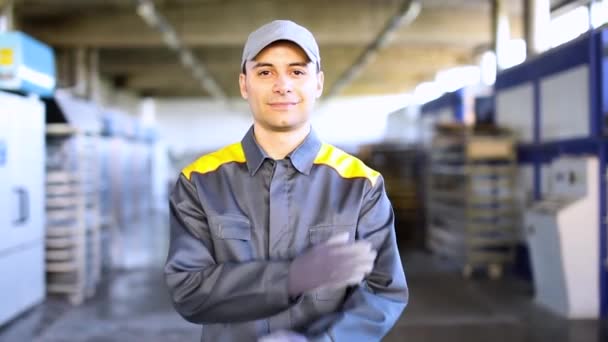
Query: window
<point x="599" y="13"/>
<point x="568" y="26"/>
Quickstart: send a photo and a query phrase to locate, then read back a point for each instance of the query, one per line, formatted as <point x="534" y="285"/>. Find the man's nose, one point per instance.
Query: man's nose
<point x="283" y="85"/>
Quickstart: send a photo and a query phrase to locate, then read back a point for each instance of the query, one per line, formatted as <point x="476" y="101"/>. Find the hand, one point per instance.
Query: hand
<point x="332" y="264"/>
<point x="283" y="336"/>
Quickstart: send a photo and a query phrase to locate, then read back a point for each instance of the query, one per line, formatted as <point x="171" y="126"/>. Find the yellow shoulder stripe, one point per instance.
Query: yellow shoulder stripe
<point x="212" y="161"/>
<point x="346" y="165"/>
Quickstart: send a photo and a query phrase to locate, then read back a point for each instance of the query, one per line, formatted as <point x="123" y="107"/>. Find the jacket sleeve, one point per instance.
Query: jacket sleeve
<point x="204" y="291"/>
<point x="372" y="308"/>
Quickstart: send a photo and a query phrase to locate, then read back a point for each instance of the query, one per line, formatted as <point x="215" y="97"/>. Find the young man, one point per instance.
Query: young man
<point x="281" y="237"/>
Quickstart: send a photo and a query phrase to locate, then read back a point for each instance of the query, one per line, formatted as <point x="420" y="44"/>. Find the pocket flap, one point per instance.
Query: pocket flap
<point x="231" y="227"/>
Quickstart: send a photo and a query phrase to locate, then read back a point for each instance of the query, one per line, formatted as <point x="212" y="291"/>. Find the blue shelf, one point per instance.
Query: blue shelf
<point x="591" y="49"/>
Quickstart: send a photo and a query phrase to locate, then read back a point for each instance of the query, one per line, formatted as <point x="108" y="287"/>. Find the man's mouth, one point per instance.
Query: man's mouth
<point x="283" y="104"/>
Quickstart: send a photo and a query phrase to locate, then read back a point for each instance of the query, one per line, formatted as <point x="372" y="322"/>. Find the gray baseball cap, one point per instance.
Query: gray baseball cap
<point x="281" y="30"/>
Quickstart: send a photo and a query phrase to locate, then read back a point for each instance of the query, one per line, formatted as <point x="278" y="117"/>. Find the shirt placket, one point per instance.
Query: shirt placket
<point x="278" y="224"/>
<point x="278" y="209"/>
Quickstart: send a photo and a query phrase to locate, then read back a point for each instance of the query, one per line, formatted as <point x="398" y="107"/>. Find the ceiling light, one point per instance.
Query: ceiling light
<point x="187" y="58"/>
<point x="170" y="38"/>
<point x="147" y="12"/>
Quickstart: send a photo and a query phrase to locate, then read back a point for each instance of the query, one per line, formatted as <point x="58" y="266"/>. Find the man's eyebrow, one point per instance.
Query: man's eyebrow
<point x="264" y="64"/>
<point x="302" y="64"/>
<point x="261" y="65"/>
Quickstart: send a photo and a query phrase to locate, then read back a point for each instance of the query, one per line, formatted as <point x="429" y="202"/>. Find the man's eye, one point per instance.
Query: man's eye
<point x="299" y="72"/>
<point x="264" y="73"/>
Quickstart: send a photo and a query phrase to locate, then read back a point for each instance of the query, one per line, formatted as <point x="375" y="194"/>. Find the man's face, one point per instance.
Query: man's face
<point x="281" y="86"/>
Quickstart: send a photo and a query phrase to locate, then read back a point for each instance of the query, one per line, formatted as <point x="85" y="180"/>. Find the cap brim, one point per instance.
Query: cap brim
<point x="262" y="45"/>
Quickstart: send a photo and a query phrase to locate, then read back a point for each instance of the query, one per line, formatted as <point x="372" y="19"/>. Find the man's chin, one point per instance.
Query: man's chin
<point x="284" y="126"/>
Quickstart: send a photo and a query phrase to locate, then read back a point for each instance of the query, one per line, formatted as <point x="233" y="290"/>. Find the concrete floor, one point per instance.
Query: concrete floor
<point x="132" y="305"/>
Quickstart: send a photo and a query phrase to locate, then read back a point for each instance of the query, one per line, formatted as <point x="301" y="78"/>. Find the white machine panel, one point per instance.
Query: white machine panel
<point x="25" y="170"/>
<point x="563" y="235"/>
<point x="564" y="104"/>
<point x="21" y="285"/>
<point x="570" y="178"/>
<point x="515" y="110"/>
<point x="6" y="210"/>
<point x="22" y="212"/>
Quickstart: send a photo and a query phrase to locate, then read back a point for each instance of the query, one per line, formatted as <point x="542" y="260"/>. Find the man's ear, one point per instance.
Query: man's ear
<point x="320" y="81"/>
<point x="243" y="86"/>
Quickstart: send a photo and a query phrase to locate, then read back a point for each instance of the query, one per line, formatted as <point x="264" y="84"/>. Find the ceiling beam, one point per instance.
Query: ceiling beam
<point x="201" y="25"/>
<point x="406" y="14"/>
<point x="197" y="70"/>
<point x="230" y="58"/>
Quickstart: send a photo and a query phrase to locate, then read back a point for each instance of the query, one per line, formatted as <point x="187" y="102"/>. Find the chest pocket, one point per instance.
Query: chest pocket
<point x="319" y="234"/>
<point x="231" y="235"/>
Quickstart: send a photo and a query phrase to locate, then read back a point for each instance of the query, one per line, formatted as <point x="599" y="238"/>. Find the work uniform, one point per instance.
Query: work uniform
<point x="238" y="218"/>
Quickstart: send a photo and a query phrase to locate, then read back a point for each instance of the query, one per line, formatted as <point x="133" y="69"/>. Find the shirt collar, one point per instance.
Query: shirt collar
<point x="254" y="154"/>
<point x="302" y="157"/>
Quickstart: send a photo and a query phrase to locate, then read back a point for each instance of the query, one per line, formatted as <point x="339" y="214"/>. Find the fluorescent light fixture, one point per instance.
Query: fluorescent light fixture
<point x="187" y="58"/>
<point x="147" y="12"/>
<point x="3" y="23"/>
<point x="198" y="72"/>
<point x="208" y="84"/>
<point x="170" y="38"/>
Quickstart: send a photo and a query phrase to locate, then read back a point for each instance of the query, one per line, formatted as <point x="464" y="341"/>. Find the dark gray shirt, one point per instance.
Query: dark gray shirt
<point x="239" y="217"/>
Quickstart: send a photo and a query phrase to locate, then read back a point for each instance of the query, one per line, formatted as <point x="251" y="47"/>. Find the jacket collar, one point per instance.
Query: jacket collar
<point x="302" y="157"/>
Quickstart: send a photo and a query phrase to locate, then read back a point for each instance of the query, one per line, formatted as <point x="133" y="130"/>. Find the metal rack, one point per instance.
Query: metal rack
<point x="73" y="255"/>
<point x="400" y="166"/>
<point x="471" y="202"/>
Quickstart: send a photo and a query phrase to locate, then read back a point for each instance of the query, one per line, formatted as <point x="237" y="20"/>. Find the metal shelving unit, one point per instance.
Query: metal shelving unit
<point x="400" y="166"/>
<point x="471" y="201"/>
<point x="73" y="242"/>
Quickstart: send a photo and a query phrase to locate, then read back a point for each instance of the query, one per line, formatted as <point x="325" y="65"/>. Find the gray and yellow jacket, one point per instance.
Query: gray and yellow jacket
<point x="238" y="218"/>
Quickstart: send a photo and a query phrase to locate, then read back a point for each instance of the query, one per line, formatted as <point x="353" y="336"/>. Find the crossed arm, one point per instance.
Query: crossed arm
<point x="204" y="291"/>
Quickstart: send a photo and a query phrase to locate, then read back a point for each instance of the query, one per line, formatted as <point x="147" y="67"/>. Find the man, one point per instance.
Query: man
<point x="281" y="237"/>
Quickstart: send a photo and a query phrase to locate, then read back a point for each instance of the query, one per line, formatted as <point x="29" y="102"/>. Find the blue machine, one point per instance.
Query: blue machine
<point x="558" y="103"/>
<point x="26" y="65"/>
<point x="465" y="105"/>
<point x="449" y="107"/>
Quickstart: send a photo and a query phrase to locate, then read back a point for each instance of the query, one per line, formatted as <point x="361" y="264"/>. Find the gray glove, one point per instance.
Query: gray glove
<point x="332" y="264"/>
<point x="283" y="336"/>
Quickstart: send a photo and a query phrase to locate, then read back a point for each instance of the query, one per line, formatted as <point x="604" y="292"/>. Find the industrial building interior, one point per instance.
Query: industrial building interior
<point x="486" y="118"/>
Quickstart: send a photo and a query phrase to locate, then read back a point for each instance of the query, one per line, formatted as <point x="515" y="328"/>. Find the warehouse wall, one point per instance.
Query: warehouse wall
<point x="346" y="122"/>
<point x="350" y="121"/>
<point x="404" y="126"/>
<point x="108" y="96"/>
<point x="191" y="125"/>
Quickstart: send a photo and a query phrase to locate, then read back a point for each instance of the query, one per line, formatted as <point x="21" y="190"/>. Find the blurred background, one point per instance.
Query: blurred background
<point x="487" y="118"/>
